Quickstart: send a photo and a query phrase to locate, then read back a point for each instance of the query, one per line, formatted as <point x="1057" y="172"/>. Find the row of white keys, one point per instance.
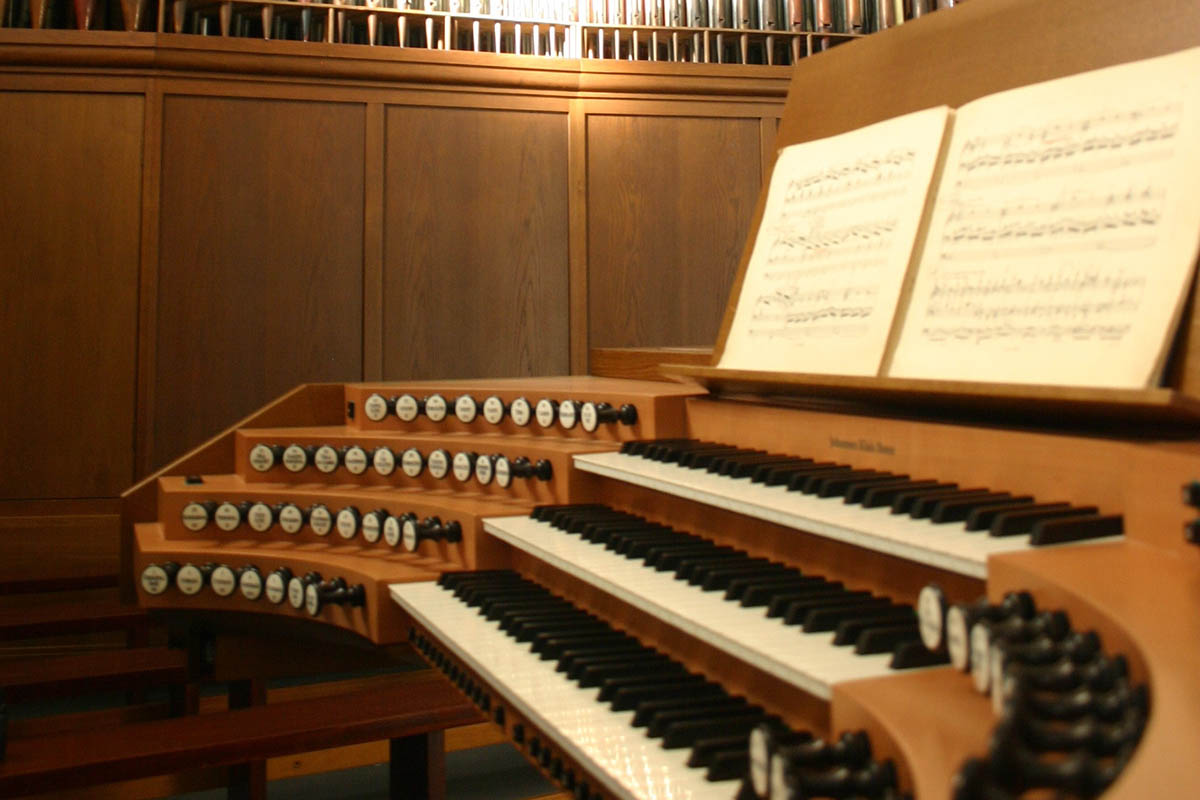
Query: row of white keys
<point x="808" y="660"/>
<point x="948" y="546"/>
<point x="622" y="758"/>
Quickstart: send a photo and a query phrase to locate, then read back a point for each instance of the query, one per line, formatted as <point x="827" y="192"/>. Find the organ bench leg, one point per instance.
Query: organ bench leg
<point x="248" y="781"/>
<point x="417" y="769"/>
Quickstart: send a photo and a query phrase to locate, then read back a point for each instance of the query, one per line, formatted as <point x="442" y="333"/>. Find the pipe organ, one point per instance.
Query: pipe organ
<point x="657" y="592"/>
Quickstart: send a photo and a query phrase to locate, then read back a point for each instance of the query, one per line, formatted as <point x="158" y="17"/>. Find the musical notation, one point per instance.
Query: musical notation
<point x="833" y="247"/>
<point x="1059" y="225"/>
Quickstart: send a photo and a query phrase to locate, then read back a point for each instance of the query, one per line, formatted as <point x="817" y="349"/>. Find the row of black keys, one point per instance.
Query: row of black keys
<point x="872" y="624"/>
<point x="679" y="707"/>
<point x="1000" y="513"/>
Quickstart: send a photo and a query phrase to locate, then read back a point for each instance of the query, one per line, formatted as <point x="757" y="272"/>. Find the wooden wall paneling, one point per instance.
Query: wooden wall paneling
<point x="72" y="176"/>
<point x="143" y="433"/>
<point x="261" y="257"/>
<point x="768" y="131"/>
<point x="373" y="245"/>
<point x="669" y="204"/>
<point x="475" y="243"/>
<point x="578" y="300"/>
<point x="58" y="540"/>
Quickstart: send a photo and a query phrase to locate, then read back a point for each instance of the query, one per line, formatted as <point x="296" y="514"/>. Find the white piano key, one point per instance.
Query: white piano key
<point x="948" y="546"/>
<point x="808" y="660"/>
<point x="622" y="758"/>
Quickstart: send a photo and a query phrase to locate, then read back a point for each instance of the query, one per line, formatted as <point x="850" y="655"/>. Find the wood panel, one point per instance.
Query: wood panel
<point x="475" y="243"/>
<point x="261" y="258"/>
<point x="669" y="204"/>
<point x="68" y="272"/>
<point x="53" y="541"/>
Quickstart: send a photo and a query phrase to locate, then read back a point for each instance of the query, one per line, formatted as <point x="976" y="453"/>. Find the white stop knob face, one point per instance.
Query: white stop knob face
<point x="223" y="581"/>
<point x="958" y="643"/>
<point x="566" y="414"/>
<point x="465" y="409"/>
<point x="407" y="407"/>
<point x="412" y="462"/>
<point x="251" y="584"/>
<point x="155" y="580"/>
<point x="929" y="616"/>
<point x="439" y="464"/>
<point x="227" y="516"/>
<point x="483" y="470"/>
<point x="262" y="458"/>
<point x="391" y="531"/>
<point x="355" y="460"/>
<point x="375" y="407"/>
<point x="544" y="413"/>
<point x="759" y="762"/>
<point x="520" y="411"/>
<point x="260" y="517"/>
<point x="435" y="408"/>
<point x="312" y="600"/>
<point x="291" y="518"/>
<point x="493" y="410"/>
<point x="371" y="528"/>
<point x="589" y="417"/>
<point x="347" y="523"/>
<point x="981" y="660"/>
<point x="320" y="520"/>
<point x="384" y="461"/>
<point x="410" y="535"/>
<point x="294" y="458"/>
<point x="503" y="469"/>
<point x="326" y="459"/>
<point x="295" y="593"/>
<point x="189" y="579"/>
<point x="463" y="467"/>
<point x="276" y="588"/>
<point x="194" y="516"/>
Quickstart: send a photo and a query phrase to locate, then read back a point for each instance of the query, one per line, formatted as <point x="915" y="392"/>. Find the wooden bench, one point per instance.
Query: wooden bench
<point x="412" y="715"/>
<point x="54" y="619"/>
<point x="26" y="679"/>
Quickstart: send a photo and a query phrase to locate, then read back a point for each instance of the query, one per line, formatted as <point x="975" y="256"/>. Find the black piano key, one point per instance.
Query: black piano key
<point x="537" y="632"/>
<point x="922" y="507"/>
<point x="664" y="721"/>
<point x="884" y="495"/>
<point x="857" y="493"/>
<point x="718" y="462"/>
<point x="1074" y="529"/>
<point x="626" y="543"/>
<point x="849" y="630"/>
<point x="727" y="764"/>
<point x="838" y="487"/>
<point x="797" y="610"/>
<point x="610" y="689"/>
<point x="571" y="655"/>
<point x="645" y="711"/>
<point x="686" y="456"/>
<point x="683" y="734"/>
<point x="761" y="593"/>
<point x="518" y="621"/>
<point x="813" y="482"/>
<point x="638" y="447"/>
<point x="909" y="655"/>
<point x="546" y="513"/>
<point x="779" y="604"/>
<point x="903" y="502"/>
<point x="666" y="558"/>
<point x="626" y="698"/>
<point x="597" y="674"/>
<point x="883" y="640"/>
<point x="959" y="510"/>
<point x="705" y="750"/>
<point x="783" y="475"/>
<point x="594" y="529"/>
<point x="752" y="467"/>
<point x="1022" y="519"/>
<point x="729" y="466"/>
<point x="551" y="649"/>
<point x="717" y="577"/>
<point x="700" y="459"/>
<point x="827" y="618"/>
<point x="981" y="518"/>
<point x="688" y="567"/>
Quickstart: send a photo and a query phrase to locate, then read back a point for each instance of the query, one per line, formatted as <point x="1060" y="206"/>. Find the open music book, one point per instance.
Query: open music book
<point x="1046" y="235"/>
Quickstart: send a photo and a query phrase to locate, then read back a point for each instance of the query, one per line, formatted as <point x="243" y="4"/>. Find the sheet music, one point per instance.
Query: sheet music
<point x="836" y="238"/>
<point x="1064" y="232"/>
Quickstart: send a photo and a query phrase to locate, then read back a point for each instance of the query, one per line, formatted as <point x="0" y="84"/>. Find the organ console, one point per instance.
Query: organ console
<point x="737" y="588"/>
<point x="730" y="598"/>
